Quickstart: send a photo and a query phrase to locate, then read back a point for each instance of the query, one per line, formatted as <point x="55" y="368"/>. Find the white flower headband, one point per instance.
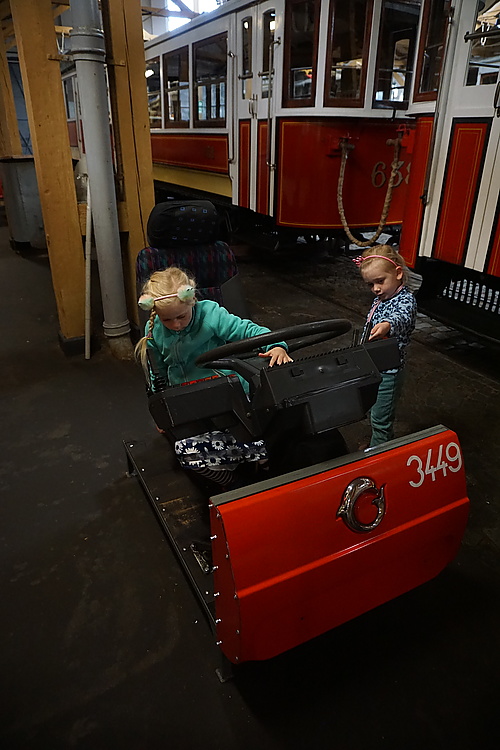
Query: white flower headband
<point x="184" y="293"/>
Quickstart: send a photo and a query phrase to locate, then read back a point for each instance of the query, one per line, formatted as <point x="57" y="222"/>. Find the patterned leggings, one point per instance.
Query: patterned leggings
<point x="216" y="454"/>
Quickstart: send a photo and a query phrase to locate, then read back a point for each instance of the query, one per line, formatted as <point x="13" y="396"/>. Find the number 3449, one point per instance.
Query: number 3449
<point x="449" y="458"/>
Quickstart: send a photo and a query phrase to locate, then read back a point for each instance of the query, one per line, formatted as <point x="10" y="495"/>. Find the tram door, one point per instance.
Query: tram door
<point x="464" y="225"/>
<point x="256" y="42"/>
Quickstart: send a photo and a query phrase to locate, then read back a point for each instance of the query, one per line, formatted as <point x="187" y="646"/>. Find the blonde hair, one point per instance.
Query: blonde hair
<point x="159" y="284"/>
<point x="379" y="252"/>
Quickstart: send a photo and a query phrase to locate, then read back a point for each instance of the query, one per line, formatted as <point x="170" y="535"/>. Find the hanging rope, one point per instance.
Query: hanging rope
<point x="345" y="147"/>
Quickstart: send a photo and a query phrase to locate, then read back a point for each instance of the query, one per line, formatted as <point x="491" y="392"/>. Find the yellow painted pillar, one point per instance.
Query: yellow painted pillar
<point x="40" y="69"/>
<point x="10" y="141"/>
<point x="122" y="21"/>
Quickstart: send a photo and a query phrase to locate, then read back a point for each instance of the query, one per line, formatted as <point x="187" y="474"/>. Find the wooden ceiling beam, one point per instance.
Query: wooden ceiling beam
<point x="183" y="12"/>
<point x="8" y="27"/>
<point x="182" y="6"/>
<point x="58" y="8"/>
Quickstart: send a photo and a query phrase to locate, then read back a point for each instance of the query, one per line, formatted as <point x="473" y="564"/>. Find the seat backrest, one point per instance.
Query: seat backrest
<point x="183" y="234"/>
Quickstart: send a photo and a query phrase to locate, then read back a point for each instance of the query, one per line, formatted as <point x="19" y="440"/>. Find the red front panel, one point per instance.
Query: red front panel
<point x="244" y="165"/>
<point x="463" y="170"/>
<point x="308" y="171"/>
<point x="414" y="209"/>
<point x="207" y="152"/>
<point x="290" y="568"/>
<point x="262" y="170"/>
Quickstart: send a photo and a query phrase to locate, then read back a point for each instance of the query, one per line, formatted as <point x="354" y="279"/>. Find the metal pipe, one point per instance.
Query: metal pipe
<point x="88" y="253"/>
<point x="89" y="55"/>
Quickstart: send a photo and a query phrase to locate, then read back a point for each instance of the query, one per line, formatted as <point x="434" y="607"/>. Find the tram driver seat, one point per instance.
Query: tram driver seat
<point x="184" y="234"/>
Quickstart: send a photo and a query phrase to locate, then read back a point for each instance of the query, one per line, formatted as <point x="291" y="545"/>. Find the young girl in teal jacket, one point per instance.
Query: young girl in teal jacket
<point x="179" y="330"/>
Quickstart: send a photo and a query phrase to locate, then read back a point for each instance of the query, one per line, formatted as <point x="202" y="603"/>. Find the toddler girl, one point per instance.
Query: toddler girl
<point x="180" y="328"/>
<point x="393" y="313"/>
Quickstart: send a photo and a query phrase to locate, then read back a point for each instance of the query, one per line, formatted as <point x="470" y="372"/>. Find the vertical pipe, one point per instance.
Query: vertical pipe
<point x="88" y="268"/>
<point x="89" y="54"/>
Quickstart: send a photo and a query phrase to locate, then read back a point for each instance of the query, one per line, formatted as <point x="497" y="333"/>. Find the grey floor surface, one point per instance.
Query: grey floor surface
<point x="103" y="644"/>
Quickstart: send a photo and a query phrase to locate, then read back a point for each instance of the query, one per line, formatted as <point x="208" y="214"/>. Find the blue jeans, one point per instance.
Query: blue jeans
<point x="383" y="411"/>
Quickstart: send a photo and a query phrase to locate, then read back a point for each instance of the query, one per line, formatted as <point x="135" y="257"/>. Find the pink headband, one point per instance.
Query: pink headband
<point x="360" y="258"/>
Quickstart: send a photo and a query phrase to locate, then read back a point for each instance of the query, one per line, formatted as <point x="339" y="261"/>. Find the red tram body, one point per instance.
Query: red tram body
<point x="249" y="105"/>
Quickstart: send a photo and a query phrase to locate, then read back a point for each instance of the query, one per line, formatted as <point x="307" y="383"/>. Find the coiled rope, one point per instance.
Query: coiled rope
<point x="345" y="147"/>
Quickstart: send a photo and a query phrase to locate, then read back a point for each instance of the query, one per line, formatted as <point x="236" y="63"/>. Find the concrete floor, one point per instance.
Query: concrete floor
<point x="103" y="643"/>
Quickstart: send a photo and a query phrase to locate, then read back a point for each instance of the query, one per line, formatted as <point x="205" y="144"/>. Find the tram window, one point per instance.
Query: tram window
<point x="154" y="92"/>
<point x="269" y="25"/>
<point x="246" y="58"/>
<point x="69" y="98"/>
<point x="210" y="75"/>
<point x="396" y="52"/>
<point x="348" y="44"/>
<point x="484" y="54"/>
<point x="430" y="54"/>
<point x="176" y="88"/>
<point x="301" y="43"/>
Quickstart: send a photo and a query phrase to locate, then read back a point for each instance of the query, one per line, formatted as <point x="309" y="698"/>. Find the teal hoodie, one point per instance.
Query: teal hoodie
<point x="210" y="326"/>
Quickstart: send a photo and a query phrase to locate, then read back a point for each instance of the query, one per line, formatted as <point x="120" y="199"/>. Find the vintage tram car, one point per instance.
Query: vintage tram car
<point x="321" y="115"/>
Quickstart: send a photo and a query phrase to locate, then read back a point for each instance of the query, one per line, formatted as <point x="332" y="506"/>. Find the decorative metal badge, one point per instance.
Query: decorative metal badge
<point x="353" y="491"/>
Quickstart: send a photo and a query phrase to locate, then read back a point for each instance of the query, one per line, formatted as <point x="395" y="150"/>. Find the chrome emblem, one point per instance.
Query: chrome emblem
<point x="352" y="492"/>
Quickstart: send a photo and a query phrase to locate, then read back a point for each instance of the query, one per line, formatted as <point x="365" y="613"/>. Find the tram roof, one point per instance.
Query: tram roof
<point x="225" y="9"/>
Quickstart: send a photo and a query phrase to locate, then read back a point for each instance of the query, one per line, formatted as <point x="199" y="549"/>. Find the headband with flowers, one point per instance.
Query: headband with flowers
<point x="184" y="293"/>
<point x="360" y="258"/>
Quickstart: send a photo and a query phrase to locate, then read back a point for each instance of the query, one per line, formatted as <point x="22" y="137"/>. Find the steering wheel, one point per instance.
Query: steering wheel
<point x="222" y="357"/>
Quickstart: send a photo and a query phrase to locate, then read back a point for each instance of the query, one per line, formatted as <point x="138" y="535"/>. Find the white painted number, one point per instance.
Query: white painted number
<point x="453" y="463"/>
<point x="378" y="174"/>
<point x="379" y="177"/>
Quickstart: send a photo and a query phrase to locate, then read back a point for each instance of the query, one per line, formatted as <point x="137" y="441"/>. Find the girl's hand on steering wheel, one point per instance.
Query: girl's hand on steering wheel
<point x="380" y="330"/>
<point x="277" y="356"/>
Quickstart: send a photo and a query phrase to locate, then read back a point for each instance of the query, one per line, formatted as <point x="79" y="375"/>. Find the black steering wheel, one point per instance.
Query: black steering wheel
<point x="304" y="334"/>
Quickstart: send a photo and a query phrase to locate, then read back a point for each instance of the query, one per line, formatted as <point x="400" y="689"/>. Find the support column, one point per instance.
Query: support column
<point x="122" y="20"/>
<point x="10" y="141"/>
<point x="88" y="52"/>
<point x="39" y="62"/>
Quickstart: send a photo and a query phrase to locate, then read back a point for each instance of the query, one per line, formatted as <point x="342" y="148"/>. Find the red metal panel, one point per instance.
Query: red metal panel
<point x="244" y="165"/>
<point x="207" y="152"/>
<point x="309" y="165"/>
<point x="413" y="212"/>
<point x="463" y="170"/>
<point x="262" y="170"/>
<point x="289" y="568"/>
